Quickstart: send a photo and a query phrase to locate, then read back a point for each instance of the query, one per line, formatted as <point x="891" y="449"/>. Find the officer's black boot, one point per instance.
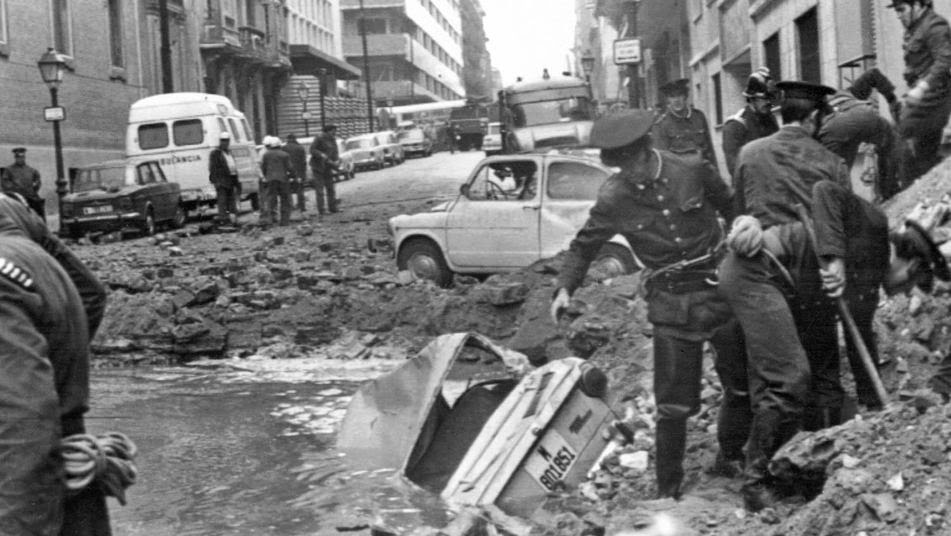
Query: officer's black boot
<point x="671" y="441"/>
<point x="756" y="491"/>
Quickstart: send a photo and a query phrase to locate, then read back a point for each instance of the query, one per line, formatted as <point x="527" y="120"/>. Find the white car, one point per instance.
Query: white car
<point x="492" y="141"/>
<point x="512" y="211"/>
<point x="366" y="151"/>
<point x="392" y="149"/>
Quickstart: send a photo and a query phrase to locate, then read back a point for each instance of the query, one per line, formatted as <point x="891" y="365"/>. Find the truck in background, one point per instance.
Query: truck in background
<point x="469" y="123"/>
<point x="550" y="113"/>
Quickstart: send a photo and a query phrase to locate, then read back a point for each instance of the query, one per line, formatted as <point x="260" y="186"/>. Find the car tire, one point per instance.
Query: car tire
<point x="178" y="219"/>
<point x="424" y="260"/>
<point x="148" y="226"/>
<point x="614" y="260"/>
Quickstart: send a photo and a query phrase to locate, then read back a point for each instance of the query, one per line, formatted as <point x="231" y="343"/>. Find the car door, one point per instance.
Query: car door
<point x="494" y="226"/>
<point x="166" y="198"/>
<point x="570" y="191"/>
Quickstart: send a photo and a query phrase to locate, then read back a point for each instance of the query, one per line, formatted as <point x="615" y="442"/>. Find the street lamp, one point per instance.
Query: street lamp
<point x="52" y="64"/>
<point x="587" y="65"/>
<point x="323" y="91"/>
<point x="302" y="92"/>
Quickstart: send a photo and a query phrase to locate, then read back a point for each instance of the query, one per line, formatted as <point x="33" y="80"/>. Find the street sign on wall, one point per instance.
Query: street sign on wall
<point x="627" y="51"/>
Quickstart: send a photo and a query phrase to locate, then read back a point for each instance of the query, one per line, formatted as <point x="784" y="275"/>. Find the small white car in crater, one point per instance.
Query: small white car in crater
<point x="512" y="211"/>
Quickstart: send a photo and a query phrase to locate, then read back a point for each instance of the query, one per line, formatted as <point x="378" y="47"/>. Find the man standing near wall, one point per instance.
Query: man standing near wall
<point x="223" y="173"/>
<point x="324" y="157"/>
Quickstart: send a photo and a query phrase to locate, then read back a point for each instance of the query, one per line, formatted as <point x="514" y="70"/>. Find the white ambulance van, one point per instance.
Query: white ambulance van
<point x="180" y="130"/>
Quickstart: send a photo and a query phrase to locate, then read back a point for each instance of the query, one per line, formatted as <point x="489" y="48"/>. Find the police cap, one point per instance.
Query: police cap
<point x="620" y="129"/>
<point x="898" y="2"/>
<point x="928" y="250"/>
<point x="794" y="89"/>
<point x="19" y="150"/>
<point x="676" y="87"/>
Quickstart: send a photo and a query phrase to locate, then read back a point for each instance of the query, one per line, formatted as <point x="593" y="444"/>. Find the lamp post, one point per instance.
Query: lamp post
<point x="52" y="64"/>
<point x="587" y="65"/>
<point x="302" y="92"/>
<point x="323" y="92"/>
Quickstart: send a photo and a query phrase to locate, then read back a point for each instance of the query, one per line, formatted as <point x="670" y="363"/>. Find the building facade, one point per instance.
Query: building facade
<point x="477" y="63"/>
<point x="414" y="48"/>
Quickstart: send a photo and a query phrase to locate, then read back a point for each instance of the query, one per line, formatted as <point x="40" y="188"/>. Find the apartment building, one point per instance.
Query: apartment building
<point x="316" y="45"/>
<point x="477" y="62"/>
<point x="414" y="48"/>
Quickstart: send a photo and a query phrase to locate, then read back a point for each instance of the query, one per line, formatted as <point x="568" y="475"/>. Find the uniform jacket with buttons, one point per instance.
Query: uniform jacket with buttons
<point x="21" y="179"/>
<point x="670" y="217"/>
<point x="927" y="49"/>
<point x="684" y="133"/>
<point x="742" y="128"/>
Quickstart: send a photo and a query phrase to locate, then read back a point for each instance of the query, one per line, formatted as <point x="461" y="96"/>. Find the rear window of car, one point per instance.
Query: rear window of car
<point x="574" y="180"/>
<point x="188" y="132"/>
<point x="411" y="135"/>
<point x="99" y="179"/>
<point x="153" y="136"/>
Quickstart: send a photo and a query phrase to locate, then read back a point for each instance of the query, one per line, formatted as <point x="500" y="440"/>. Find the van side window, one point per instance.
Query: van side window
<point x="153" y="136"/>
<point x="188" y="132"/>
<point x="234" y="130"/>
<point x="247" y="130"/>
<point x="222" y="127"/>
<point x="157" y="172"/>
<point x="145" y="174"/>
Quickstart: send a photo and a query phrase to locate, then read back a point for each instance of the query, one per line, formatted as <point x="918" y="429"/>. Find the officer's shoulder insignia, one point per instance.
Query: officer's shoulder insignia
<point x="17" y="275"/>
<point x="738" y="117"/>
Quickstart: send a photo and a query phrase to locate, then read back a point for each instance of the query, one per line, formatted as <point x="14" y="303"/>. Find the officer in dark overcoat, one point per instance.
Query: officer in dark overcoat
<point x="21" y="179"/>
<point x="666" y="205"/>
<point x="683" y="128"/>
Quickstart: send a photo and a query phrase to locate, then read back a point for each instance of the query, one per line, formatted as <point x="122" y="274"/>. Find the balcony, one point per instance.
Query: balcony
<point x="251" y="44"/>
<point x="378" y="45"/>
<point x="355" y="4"/>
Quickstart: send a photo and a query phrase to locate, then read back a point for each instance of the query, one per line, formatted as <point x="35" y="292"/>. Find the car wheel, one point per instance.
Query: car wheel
<point x="424" y="260"/>
<point x="614" y="260"/>
<point x="178" y="220"/>
<point x="148" y="226"/>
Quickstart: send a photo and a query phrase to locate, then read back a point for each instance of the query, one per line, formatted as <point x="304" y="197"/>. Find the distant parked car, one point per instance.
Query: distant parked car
<point x="415" y="142"/>
<point x="121" y="195"/>
<point x="492" y="141"/>
<point x="366" y="151"/>
<point x="392" y="150"/>
<point x="345" y="168"/>
<point x="511" y="212"/>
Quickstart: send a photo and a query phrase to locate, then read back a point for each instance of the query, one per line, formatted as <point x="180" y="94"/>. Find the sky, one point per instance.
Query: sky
<point x="526" y="36"/>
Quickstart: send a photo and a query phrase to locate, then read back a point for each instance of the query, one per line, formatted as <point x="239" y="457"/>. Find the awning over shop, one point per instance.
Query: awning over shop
<point x="307" y="60"/>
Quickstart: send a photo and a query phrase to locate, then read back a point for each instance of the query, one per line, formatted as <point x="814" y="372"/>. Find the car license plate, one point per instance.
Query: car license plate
<point x="551" y="460"/>
<point x="100" y="209"/>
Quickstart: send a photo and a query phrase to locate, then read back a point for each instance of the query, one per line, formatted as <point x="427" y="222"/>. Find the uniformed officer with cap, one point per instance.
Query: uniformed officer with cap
<point x="44" y="392"/>
<point x="324" y="160"/>
<point x="682" y="128"/>
<point x="754" y="121"/>
<point x="927" y="46"/>
<point x="666" y="205"/>
<point x="223" y="174"/>
<point x="773" y="175"/>
<point x="19" y="178"/>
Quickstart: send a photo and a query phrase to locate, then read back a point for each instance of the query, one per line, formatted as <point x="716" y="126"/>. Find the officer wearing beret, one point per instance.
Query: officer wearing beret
<point x="44" y="392"/>
<point x="773" y="175"/>
<point x="927" y="47"/>
<point x="19" y="178"/>
<point x="754" y="121"/>
<point x="682" y="128"/>
<point x="666" y="205"/>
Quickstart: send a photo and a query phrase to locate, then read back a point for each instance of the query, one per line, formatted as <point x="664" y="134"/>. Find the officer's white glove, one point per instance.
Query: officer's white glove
<point x="746" y="236"/>
<point x="559" y="304"/>
<point x="916" y="94"/>
<point x="833" y="277"/>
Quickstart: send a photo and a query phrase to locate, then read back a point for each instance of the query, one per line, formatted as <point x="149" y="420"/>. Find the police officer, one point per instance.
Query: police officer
<point x="324" y="158"/>
<point x="754" y="121"/>
<point x="278" y="173"/>
<point x="19" y="178"/>
<point x="666" y="205"/>
<point x="299" y="160"/>
<point x="223" y="174"/>
<point x="853" y="120"/>
<point x="773" y="175"/>
<point x="927" y="105"/>
<point x="44" y="392"/>
<point x="683" y="128"/>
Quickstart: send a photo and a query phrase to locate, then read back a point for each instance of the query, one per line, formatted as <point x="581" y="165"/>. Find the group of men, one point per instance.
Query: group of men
<point x="284" y="174"/>
<point x="766" y="294"/>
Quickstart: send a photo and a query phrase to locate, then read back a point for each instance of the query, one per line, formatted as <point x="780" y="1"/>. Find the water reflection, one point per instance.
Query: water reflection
<point x="244" y="452"/>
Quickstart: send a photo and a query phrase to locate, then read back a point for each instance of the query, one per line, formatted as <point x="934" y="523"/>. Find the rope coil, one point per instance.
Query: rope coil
<point x="108" y="459"/>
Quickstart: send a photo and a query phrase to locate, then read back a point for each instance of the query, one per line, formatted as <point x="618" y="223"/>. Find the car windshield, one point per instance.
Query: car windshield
<point x="99" y="179"/>
<point x="359" y="144"/>
<point x="554" y="111"/>
<point x="411" y="135"/>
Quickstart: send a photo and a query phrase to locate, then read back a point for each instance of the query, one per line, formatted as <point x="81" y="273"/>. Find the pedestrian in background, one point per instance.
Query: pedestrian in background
<point x="299" y="161"/>
<point x="278" y="173"/>
<point x="19" y="178"/>
<point x="667" y="206"/>
<point x="754" y="121"/>
<point x="324" y="158"/>
<point x="223" y="173"/>
<point x="44" y="393"/>
<point x="682" y="128"/>
<point x="927" y="104"/>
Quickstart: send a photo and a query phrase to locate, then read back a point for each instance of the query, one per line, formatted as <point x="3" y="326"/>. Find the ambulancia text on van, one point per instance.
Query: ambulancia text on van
<point x="180" y="130"/>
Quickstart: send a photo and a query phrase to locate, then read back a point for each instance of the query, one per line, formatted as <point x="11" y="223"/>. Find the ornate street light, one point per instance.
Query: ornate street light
<point x="587" y="65"/>
<point x="52" y="65"/>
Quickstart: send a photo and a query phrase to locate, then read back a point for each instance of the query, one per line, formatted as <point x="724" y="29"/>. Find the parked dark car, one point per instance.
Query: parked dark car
<point x="121" y="195"/>
<point x="415" y="142"/>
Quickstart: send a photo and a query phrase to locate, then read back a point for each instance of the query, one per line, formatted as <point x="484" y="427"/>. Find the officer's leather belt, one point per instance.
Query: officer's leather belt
<point x="684" y="281"/>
